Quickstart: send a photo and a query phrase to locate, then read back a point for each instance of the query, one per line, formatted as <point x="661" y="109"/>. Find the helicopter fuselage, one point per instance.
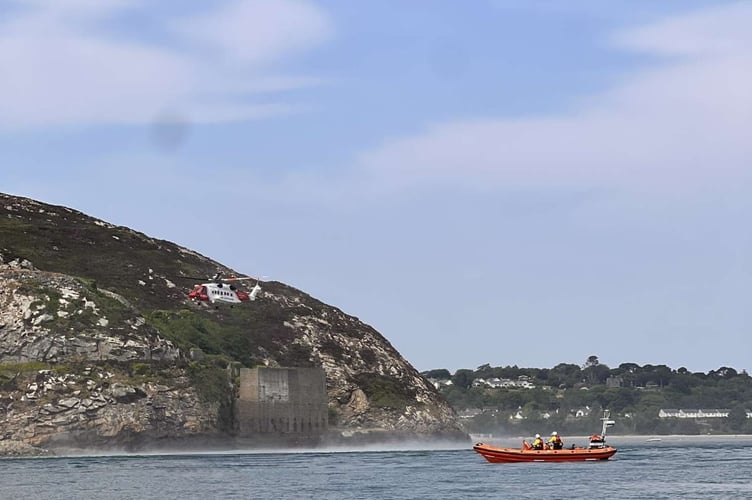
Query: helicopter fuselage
<point x="218" y="292"/>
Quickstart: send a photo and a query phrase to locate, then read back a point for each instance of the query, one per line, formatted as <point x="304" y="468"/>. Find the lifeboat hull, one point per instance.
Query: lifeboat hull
<point x="511" y="455"/>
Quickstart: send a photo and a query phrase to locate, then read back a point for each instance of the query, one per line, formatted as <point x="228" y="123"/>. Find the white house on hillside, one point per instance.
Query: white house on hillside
<point x="692" y="413"/>
<point x="504" y="383"/>
<point x="439" y="383"/>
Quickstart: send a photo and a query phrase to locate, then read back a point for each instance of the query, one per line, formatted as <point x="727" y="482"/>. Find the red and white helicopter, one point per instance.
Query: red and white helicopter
<point x="222" y="290"/>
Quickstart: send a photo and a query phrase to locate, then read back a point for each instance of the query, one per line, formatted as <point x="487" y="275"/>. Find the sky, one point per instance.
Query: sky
<point x="511" y="182"/>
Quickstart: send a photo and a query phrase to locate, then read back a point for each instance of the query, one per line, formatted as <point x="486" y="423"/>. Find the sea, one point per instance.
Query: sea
<point x="664" y="467"/>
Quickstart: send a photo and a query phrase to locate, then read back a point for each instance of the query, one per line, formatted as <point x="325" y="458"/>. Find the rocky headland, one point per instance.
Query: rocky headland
<point x="101" y="349"/>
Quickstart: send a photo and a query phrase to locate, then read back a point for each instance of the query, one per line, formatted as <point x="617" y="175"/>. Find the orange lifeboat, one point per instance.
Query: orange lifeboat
<point x="527" y="454"/>
<point x="597" y="450"/>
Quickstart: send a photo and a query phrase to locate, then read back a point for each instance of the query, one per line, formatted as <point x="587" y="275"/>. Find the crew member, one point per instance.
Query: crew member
<point x="555" y="443"/>
<point x="538" y="443"/>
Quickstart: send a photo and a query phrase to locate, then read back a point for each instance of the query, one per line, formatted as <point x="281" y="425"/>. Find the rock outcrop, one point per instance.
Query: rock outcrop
<point x="55" y="318"/>
<point x="101" y="408"/>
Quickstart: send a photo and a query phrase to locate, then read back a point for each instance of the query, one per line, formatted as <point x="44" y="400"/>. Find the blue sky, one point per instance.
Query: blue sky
<point x="513" y="182"/>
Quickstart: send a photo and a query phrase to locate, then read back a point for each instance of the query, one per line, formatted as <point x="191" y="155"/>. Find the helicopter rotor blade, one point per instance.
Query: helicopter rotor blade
<point x="243" y="278"/>
<point x="215" y="279"/>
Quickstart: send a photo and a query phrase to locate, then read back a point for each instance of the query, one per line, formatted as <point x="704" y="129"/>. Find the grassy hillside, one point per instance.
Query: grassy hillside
<point x="151" y="275"/>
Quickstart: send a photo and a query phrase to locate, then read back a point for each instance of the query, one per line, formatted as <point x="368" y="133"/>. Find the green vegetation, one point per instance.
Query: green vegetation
<point x="141" y="369"/>
<point x="188" y="329"/>
<point x="333" y="416"/>
<point x="633" y="393"/>
<point x="385" y="392"/>
<point x="240" y="334"/>
<point x="212" y="382"/>
<point x="9" y="371"/>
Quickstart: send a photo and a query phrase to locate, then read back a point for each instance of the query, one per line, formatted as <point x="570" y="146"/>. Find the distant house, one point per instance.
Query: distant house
<point x="503" y="383"/>
<point x="479" y="382"/>
<point x="582" y="412"/>
<point x="439" y="383"/>
<point x="469" y="413"/>
<point x="494" y="382"/>
<point x="693" y="413"/>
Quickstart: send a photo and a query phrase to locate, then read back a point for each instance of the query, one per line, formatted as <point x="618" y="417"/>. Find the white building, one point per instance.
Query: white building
<point x="694" y="413"/>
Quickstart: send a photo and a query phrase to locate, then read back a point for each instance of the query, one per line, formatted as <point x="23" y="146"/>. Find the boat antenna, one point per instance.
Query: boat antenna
<point x="607" y="422"/>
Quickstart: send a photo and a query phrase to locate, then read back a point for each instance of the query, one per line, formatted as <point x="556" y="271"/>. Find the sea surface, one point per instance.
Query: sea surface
<point x="662" y="467"/>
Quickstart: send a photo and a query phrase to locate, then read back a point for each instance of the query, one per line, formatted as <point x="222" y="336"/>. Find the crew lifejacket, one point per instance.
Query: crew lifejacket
<point x="556" y="442"/>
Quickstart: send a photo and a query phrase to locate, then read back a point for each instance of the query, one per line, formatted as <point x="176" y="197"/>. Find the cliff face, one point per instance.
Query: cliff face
<point x="100" y="346"/>
<point x="55" y="318"/>
<point x="370" y="385"/>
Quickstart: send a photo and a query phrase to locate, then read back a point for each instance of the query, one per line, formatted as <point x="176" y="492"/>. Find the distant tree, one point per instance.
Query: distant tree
<point x="601" y="373"/>
<point x="510" y="400"/>
<point x="486" y="371"/>
<point x="737" y="418"/>
<point x="628" y="368"/>
<point x="724" y="372"/>
<point x="463" y="378"/>
<point x="594" y="372"/>
<point x="627" y="373"/>
<point x="459" y="397"/>
<point x="438" y="374"/>
<point x="682" y="383"/>
<point x="616" y="399"/>
<point x="564" y="374"/>
<point x="511" y="372"/>
<point x="662" y="375"/>
<point x="533" y="411"/>
<point x="484" y="422"/>
<point x="651" y="402"/>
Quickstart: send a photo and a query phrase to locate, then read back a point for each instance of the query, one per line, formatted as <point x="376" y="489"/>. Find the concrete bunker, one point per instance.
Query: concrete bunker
<point x="286" y="402"/>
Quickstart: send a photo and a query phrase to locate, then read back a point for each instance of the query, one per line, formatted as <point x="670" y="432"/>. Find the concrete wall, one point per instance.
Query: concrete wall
<point x="283" y="401"/>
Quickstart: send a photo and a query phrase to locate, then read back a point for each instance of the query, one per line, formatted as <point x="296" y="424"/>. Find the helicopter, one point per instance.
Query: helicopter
<point x="222" y="290"/>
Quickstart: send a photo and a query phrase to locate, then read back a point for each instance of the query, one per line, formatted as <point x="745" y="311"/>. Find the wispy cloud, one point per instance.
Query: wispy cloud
<point x="62" y="66"/>
<point x="257" y="31"/>
<point x="684" y="118"/>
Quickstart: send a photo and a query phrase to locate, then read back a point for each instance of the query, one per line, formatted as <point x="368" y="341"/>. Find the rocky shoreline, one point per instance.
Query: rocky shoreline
<point x="21" y="449"/>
